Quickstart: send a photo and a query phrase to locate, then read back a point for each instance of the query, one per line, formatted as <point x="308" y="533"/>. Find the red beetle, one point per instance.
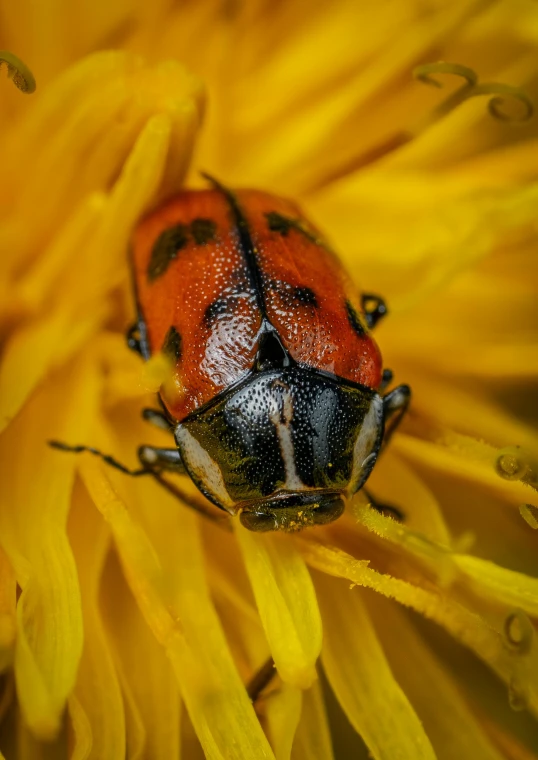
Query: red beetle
<point x="274" y="400"/>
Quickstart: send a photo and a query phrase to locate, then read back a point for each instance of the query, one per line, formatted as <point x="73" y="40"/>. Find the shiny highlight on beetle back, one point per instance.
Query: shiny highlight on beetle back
<point x="230" y="265"/>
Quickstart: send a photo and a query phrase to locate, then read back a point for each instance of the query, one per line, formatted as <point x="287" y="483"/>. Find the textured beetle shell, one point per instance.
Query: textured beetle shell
<point x="201" y="301"/>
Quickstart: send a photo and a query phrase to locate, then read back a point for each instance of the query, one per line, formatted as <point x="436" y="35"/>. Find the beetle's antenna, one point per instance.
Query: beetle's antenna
<point x="185" y="498"/>
<point x="105" y="457"/>
<point x="213" y="181"/>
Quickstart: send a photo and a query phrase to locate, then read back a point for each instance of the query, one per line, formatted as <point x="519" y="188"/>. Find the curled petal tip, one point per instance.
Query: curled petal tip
<point x="18" y="71"/>
<point x="518" y="632"/>
<point x="501" y="93"/>
<point x="424" y="73"/>
<point x="514" y="463"/>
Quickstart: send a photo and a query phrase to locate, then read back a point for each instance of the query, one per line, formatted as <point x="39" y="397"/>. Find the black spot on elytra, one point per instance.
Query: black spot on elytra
<point x="291" y="296"/>
<point x="278" y="223"/>
<point x="203" y="231"/>
<point x="171" y="241"/>
<point x="305" y="296"/>
<point x="354" y="320"/>
<point x="283" y="224"/>
<point x="166" y="249"/>
<point x="216" y="309"/>
<point x="171" y="347"/>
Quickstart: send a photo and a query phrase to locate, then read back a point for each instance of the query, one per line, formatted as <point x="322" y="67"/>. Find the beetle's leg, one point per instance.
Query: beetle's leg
<point x="105" y="457"/>
<point x="133" y="338"/>
<point x="151" y="458"/>
<point x="386" y="380"/>
<point x="157" y="460"/>
<point x="158" y="418"/>
<point x="395" y="404"/>
<point x="387" y="510"/>
<point x="374" y="308"/>
<point x="261" y="679"/>
<point x="198" y="505"/>
<point x="137" y="338"/>
<point x="154" y="460"/>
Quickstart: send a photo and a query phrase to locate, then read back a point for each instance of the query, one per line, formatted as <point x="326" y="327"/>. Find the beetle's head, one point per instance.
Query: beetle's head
<point x="292" y="511"/>
<point x="284" y="448"/>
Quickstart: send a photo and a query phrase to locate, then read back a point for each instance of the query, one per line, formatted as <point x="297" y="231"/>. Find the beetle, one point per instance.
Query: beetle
<point x="275" y="396"/>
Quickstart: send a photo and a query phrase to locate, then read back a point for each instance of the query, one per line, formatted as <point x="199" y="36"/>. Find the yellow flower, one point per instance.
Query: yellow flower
<point x="128" y="624"/>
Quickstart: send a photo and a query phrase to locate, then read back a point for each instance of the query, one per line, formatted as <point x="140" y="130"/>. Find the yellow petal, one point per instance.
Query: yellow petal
<point x="489" y="344"/>
<point x="97" y="690"/>
<point x="472" y="630"/>
<point x="156" y="132"/>
<point x="448" y="229"/>
<point x="174" y="599"/>
<point x="8" y="592"/>
<point x="510" y="162"/>
<point x="458" y="408"/>
<point x="48" y="340"/>
<point x="235" y="603"/>
<point x="500" y="584"/>
<point x="43" y="279"/>
<point x="227" y="574"/>
<point x="154" y="712"/>
<point x="416" y="669"/>
<point x="362" y="680"/>
<point x="81" y="133"/>
<point x="82" y="733"/>
<point x="472" y="460"/>
<point x="493" y="586"/>
<point x="313" y="738"/>
<point x="282" y="709"/>
<point x="287" y="603"/>
<point x="508" y="744"/>
<point x="437" y="558"/>
<point x="299" y="143"/>
<point x="465" y="479"/>
<point x="455" y="136"/>
<point x="34" y="538"/>
<point x="8" y="714"/>
<point x="28" y="747"/>
<point x="93" y="276"/>
<point x="393" y="482"/>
